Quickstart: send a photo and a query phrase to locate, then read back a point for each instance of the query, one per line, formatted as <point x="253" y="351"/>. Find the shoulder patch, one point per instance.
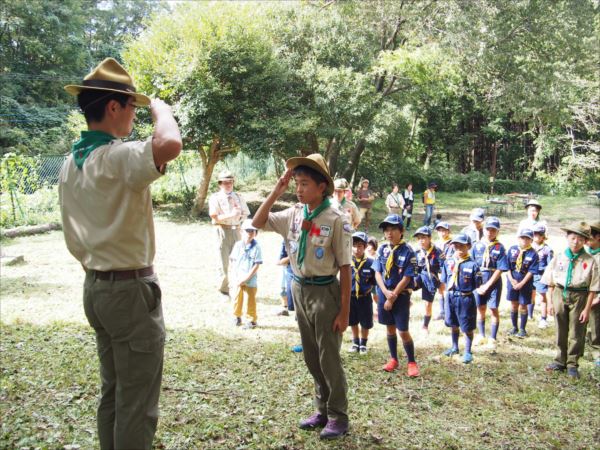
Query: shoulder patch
<point x="347" y="227"/>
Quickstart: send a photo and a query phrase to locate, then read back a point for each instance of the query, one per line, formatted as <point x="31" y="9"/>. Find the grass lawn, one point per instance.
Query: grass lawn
<point x="229" y="388"/>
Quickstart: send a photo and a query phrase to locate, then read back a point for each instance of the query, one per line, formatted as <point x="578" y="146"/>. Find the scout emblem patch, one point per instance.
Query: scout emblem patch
<point x="319" y="252"/>
<point x="347" y="227"/>
<point x="325" y="230"/>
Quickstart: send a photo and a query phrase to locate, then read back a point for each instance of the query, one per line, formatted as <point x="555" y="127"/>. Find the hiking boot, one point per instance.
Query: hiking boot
<point x="412" y="369"/>
<point x="362" y="350"/>
<point x="451" y="351"/>
<point x="250" y="325"/>
<point x="573" y="373"/>
<point x="317" y="420"/>
<point x="283" y="312"/>
<point x="555" y="367"/>
<point x="467" y="358"/>
<point x="334" y="429"/>
<point x="513" y="332"/>
<point x="391" y="365"/>
<point x="353" y="348"/>
<point x="237" y="321"/>
<point x="543" y="324"/>
<point x="522" y="334"/>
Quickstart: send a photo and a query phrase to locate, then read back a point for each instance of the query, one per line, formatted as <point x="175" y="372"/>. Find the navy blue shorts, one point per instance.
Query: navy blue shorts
<point x="492" y="296"/>
<point x="426" y="293"/>
<point x="540" y="287"/>
<point x="400" y="313"/>
<point x="460" y="311"/>
<point x="523" y="296"/>
<point x="361" y="311"/>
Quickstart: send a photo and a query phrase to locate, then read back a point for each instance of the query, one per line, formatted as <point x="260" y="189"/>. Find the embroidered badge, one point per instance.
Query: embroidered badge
<point x="319" y="252"/>
<point x="347" y="228"/>
<point x="584" y="265"/>
<point x="467" y="270"/>
<point x="325" y="230"/>
<point x="293" y="246"/>
<point x="386" y="251"/>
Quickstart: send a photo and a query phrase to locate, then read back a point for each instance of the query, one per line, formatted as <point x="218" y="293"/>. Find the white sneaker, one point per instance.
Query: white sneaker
<point x="479" y="340"/>
<point x="353" y="348"/>
<point x="543" y="324"/>
<point x="363" y="350"/>
<point x="492" y="344"/>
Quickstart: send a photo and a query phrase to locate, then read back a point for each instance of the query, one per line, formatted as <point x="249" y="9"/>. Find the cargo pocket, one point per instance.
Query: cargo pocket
<point x="151" y="293"/>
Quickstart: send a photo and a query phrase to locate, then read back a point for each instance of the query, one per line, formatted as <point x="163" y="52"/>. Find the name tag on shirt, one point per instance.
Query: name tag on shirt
<point x="467" y="270"/>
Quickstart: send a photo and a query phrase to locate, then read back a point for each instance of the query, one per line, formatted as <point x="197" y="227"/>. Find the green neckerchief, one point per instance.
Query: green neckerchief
<point x="593" y="252"/>
<point x="89" y="141"/>
<point x="304" y="233"/>
<point x="572" y="257"/>
<point x="343" y="202"/>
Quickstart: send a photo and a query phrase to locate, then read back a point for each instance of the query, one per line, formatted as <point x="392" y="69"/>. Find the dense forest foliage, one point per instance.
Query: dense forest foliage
<point x="460" y="91"/>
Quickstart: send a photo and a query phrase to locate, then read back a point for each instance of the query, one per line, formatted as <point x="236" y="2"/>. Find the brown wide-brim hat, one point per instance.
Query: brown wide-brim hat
<point x="533" y="202"/>
<point x="109" y="76"/>
<point x="316" y="162"/>
<point x="595" y="226"/>
<point x="580" y="228"/>
<point x="225" y="175"/>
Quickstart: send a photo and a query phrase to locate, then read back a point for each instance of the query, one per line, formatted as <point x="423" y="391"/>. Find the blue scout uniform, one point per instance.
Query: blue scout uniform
<point x="404" y="264"/>
<point x="460" y="307"/>
<point x="361" y="302"/>
<point x="289" y="276"/>
<point x="528" y="264"/>
<point x="545" y="255"/>
<point x="428" y="269"/>
<point x="490" y="256"/>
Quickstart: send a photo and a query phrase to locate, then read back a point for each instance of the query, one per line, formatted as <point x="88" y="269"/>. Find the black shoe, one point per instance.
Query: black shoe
<point x="237" y="321"/>
<point x="555" y="367"/>
<point x="573" y="373"/>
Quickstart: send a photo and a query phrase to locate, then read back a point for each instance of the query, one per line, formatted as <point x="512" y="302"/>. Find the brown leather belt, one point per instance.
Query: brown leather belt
<point x="229" y="227"/>
<point x="120" y="275"/>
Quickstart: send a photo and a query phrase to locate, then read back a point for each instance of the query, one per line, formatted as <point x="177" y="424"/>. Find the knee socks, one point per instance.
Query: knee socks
<point x="481" y="327"/>
<point x="409" y="348"/>
<point x="455" y="335"/>
<point x="523" y="321"/>
<point x="530" y="310"/>
<point x="494" y="330"/>
<point x="468" y="342"/>
<point x="393" y="346"/>
<point x="513" y="318"/>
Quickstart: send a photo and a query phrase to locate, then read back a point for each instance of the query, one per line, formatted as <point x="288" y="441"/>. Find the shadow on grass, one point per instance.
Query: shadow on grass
<point x="221" y="392"/>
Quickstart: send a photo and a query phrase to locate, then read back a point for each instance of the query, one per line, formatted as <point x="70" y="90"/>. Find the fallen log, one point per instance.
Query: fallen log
<point x="31" y="230"/>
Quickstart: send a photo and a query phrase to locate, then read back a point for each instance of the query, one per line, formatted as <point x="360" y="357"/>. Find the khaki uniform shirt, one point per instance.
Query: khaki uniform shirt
<point x="350" y="210"/>
<point x="585" y="272"/>
<point x="106" y="206"/>
<point x="222" y="203"/>
<point x="325" y="252"/>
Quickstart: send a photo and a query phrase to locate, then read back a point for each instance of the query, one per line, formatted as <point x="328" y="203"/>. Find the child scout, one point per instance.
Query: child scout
<point x="246" y="257"/>
<point x="106" y="207"/>
<point x="429" y="261"/>
<point x="395" y="268"/>
<point x="319" y="242"/>
<point x="490" y="256"/>
<point x="573" y="282"/>
<point x="593" y="249"/>
<point x="462" y="277"/>
<point x="361" y="299"/>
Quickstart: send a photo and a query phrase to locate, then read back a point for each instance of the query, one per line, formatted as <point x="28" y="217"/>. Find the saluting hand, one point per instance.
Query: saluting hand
<point x="283" y="183"/>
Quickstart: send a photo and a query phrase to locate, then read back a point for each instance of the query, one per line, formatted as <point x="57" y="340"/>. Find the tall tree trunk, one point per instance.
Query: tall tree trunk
<point x="355" y="155"/>
<point x="428" y="156"/>
<point x="333" y="153"/>
<point x="209" y="159"/>
<point x="493" y="166"/>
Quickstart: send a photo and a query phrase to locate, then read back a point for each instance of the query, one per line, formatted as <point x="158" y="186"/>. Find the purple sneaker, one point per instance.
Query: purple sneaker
<point x="334" y="429"/>
<point x="314" y="421"/>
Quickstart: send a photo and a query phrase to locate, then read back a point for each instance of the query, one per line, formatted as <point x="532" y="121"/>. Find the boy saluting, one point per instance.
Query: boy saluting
<point x="319" y="241"/>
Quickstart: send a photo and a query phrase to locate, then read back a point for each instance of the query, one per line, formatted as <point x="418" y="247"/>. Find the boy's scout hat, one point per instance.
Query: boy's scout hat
<point x="580" y="228"/>
<point x="539" y="228"/>
<point x="247" y="225"/>
<point x="477" y="215"/>
<point x="492" y="222"/>
<point x="533" y="202"/>
<point x="109" y="76"/>
<point x="425" y="231"/>
<point x="392" y="219"/>
<point x="360" y="235"/>
<point x="341" y="183"/>
<point x="461" y="238"/>
<point x="525" y="232"/>
<point x="595" y="226"/>
<point x="316" y="162"/>
<point x="225" y="175"/>
<point x="443" y="225"/>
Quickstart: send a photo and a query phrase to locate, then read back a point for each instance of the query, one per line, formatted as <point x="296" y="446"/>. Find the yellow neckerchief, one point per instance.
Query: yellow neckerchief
<point x="455" y="270"/>
<point x="427" y="253"/>
<point x="390" y="261"/>
<point x="486" y="254"/>
<point x="445" y="242"/>
<point x="357" y="271"/>
<point x="519" y="262"/>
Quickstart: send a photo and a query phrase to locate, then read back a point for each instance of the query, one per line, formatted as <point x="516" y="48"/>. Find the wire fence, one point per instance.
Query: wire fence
<point x="29" y="185"/>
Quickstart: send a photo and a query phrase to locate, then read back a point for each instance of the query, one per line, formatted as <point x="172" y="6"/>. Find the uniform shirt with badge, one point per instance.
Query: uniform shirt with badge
<point x="429" y="266"/>
<point x="545" y="255"/>
<point x="446" y="247"/>
<point x="585" y="272"/>
<point x="529" y="263"/>
<point x="404" y="264"/>
<point x="106" y="206"/>
<point x="366" y="276"/>
<point x="468" y="275"/>
<point x="224" y="203"/>
<point x="349" y="208"/>
<point x="328" y="245"/>
<point x="244" y="257"/>
<point x="489" y="256"/>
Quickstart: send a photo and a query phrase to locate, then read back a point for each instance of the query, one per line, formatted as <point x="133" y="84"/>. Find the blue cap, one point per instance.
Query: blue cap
<point x="525" y="232"/>
<point x="423" y="230"/>
<point x="432" y="184"/>
<point x="361" y="235"/>
<point x="492" y="222"/>
<point x="477" y="214"/>
<point x="539" y="228"/>
<point x="392" y="219"/>
<point x="444" y="225"/>
<point x="461" y="238"/>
